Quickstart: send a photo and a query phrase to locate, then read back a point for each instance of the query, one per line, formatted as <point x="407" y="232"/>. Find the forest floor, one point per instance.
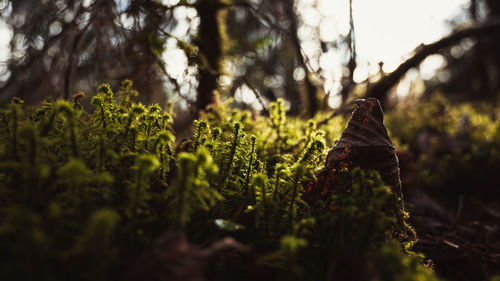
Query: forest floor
<point x="460" y="239"/>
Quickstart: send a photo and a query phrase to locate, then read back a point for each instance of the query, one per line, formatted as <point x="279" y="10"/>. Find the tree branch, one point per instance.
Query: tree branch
<point x="257" y="95"/>
<point x="380" y="89"/>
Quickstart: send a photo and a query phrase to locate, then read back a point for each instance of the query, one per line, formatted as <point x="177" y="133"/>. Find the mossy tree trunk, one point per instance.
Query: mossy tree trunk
<point x="210" y="47"/>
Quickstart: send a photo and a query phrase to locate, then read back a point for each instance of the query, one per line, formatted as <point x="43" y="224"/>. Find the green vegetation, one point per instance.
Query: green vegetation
<point x="457" y="146"/>
<point x="84" y="193"/>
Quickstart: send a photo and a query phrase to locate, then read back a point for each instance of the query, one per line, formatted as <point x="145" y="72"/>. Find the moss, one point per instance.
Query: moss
<point x="98" y="187"/>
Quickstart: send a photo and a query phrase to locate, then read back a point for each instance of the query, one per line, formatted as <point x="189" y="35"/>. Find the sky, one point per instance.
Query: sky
<point x="389" y="30"/>
<point x="385" y="30"/>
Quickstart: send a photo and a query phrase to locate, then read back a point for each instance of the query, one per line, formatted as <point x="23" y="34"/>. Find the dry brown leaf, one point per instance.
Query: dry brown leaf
<point x="364" y="143"/>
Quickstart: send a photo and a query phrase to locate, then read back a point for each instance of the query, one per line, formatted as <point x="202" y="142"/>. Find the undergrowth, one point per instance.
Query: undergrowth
<point x="83" y="193"/>
<point x="457" y="146"/>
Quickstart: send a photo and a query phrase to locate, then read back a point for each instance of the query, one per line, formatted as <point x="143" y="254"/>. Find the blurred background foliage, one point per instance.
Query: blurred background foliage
<point x="194" y="53"/>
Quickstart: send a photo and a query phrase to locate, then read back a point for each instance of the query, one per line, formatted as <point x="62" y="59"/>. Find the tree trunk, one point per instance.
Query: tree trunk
<point x="210" y="47"/>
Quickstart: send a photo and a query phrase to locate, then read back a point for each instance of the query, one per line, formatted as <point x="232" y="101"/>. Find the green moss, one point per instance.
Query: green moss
<point x="392" y="263"/>
<point x="94" y="189"/>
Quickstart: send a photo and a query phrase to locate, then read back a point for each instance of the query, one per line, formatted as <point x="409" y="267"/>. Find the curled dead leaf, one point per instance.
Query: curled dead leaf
<point x="364" y="143"/>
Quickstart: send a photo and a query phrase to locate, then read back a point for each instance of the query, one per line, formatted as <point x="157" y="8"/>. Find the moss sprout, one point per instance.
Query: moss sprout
<point x="93" y="190"/>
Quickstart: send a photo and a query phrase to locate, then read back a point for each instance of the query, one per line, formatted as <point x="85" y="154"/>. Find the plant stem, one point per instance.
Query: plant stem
<point x="74" y="145"/>
<point x="147" y="135"/>
<point x="292" y="202"/>
<point x="276" y="185"/>
<point x="134" y="136"/>
<point x="249" y="170"/>
<point x="101" y="153"/>
<point x="48" y="125"/>
<point x="103" y="117"/>
<point x="14" y="133"/>
<point x="234" y="146"/>
<point x="266" y="209"/>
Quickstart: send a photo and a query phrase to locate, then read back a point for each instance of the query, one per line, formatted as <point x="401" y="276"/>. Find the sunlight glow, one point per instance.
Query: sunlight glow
<point x="385" y="30"/>
<point x="5" y="37"/>
<point x="246" y="95"/>
<point x="388" y="30"/>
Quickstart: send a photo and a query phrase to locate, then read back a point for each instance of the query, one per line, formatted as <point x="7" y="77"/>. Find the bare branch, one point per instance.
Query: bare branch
<point x="265" y="110"/>
<point x="381" y="88"/>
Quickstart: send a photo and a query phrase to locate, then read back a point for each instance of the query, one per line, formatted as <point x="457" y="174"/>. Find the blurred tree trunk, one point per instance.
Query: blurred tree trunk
<point x="480" y="63"/>
<point x="209" y="43"/>
<point x="493" y="43"/>
<point x="147" y="74"/>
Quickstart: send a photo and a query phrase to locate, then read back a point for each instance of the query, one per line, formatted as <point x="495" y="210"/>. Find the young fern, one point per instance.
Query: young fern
<point x="316" y="145"/>
<point x="76" y="175"/>
<point x="98" y="101"/>
<point x="69" y="114"/>
<point x="191" y="190"/>
<point x="16" y="112"/>
<point x="249" y="170"/>
<point x="138" y="191"/>
<point x="126" y="94"/>
<point x="226" y="173"/>
<point x="163" y="147"/>
<point x="28" y="134"/>
<point x="201" y="127"/>
<point x="262" y="201"/>
<point x="309" y="132"/>
<point x="33" y="172"/>
<point x="152" y="123"/>
<point x="298" y="172"/>
<point x="108" y="111"/>
<point x="278" y="120"/>
<point x="5" y="122"/>
<point x="216" y="133"/>
<point x="47" y="108"/>
<point x="134" y="113"/>
<point x="134" y="132"/>
<point x="281" y="175"/>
